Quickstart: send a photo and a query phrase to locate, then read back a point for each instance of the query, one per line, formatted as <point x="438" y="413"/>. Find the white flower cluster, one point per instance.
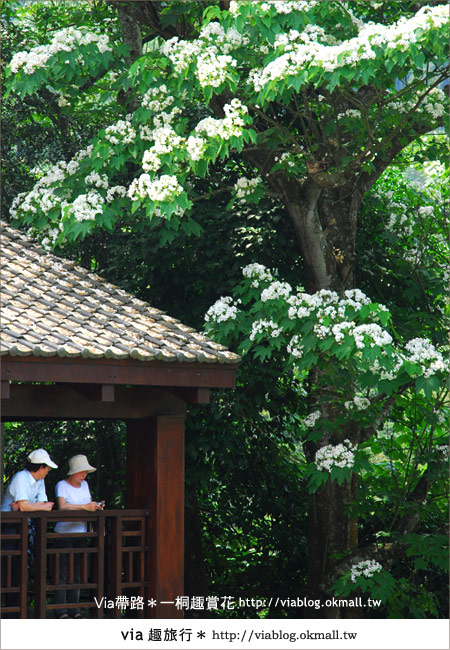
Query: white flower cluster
<point x="295" y="347"/>
<point x="96" y="180"/>
<point x="85" y="207"/>
<point x="212" y="68"/>
<point x="444" y="450"/>
<point x="434" y="103"/>
<point x="328" y="305"/>
<point x="372" y="334"/>
<point x="400" y="222"/>
<point x="351" y="52"/>
<point x="285" y="7"/>
<point x="66" y="40"/>
<point x="230" y="125"/>
<point x="422" y="351"/>
<point x="181" y="53"/>
<point x="166" y="140"/>
<point x="267" y="327"/>
<point x="157" y="99"/>
<point x="350" y="112"/>
<point x="195" y="146"/>
<point x="222" y="310"/>
<point x="311" y="33"/>
<point x="365" y="568"/>
<point x="42" y="196"/>
<point x="164" y="188"/>
<point x="120" y="133"/>
<point x="116" y="190"/>
<point x="358" y="403"/>
<point x="209" y="53"/>
<point x="225" y="41"/>
<point x="244" y="187"/>
<point x="311" y="419"/>
<point x="426" y="210"/>
<point x="49" y="241"/>
<point x="276" y="290"/>
<point x="286" y="159"/>
<point x="258" y="272"/>
<point x="341" y="455"/>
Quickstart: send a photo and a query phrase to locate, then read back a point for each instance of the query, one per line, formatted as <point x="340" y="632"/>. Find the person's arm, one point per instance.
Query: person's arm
<point x="26" y="506"/>
<point x="19" y="490"/>
<point x="64" y="505"/>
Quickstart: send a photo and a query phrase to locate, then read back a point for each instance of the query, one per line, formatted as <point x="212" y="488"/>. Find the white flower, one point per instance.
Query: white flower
<point x="222" y="310"/>
<point x="86" y="206"/>
<point x="373" y="332"/>
<point x="118" y="190"/>
<point x="165" y="188"/>
<point x="244" y="187"/>
<point x="267" y="327"/>
<point x="295" y="347"/>
<point x="66" y="40"/>
<point x="96" y="180"/>
<point x="306" y="50"/>
<point x="231" y="125"/>
<point x="311" y="419"/>
<point x="276" y="290"/>
<point x="157" y="99"/>
<point x="423" y="352"/>
<point x="358" y="403"/>
<point x="212" y="68"/>
<point x="258" y="272"/>
<point x="444" y="450"/>
<point x="341" y="455"/>
<point x="120" y="132"/>
<point x="195" y="147"/>
<point x="365" y="568"/>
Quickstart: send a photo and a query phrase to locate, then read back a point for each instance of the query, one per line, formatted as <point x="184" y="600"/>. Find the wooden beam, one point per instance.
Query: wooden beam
<point x="96" y="392"/>
<point x="192" y="395"/>
<point x="5" y="392"/>
<point x="155" y="480"/>
<point x="63" y="402"/>
<point x="114" y="371"/>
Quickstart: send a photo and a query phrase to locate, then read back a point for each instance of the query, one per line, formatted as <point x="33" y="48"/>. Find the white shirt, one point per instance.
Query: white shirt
<point x="24" y="487"/>
<point x="77" y="496"/>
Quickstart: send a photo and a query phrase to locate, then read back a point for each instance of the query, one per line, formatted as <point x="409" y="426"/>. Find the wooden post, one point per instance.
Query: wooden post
<point x="155" y="480"/>
<point x="40" y="559"/>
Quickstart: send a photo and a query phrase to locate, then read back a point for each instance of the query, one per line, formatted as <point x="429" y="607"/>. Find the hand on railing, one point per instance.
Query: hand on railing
<point x="26" y="506"/>
<point x="93" y="505"/>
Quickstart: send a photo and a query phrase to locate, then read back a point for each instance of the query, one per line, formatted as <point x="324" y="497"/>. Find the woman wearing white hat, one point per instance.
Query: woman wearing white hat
<point x="73" y="493"/>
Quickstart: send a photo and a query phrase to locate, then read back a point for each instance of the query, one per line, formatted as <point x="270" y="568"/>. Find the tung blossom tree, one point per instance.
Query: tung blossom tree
<point x="311" y="101"/>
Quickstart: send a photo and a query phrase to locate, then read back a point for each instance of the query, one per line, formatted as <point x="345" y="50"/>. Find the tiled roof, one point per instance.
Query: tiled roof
<point x="51" y="307"/>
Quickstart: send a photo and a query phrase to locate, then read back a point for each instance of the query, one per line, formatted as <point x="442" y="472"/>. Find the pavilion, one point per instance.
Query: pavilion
<point x="74" y="346"/>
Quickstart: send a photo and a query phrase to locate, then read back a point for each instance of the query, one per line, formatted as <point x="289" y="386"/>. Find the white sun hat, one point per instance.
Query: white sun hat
<point x="41" y="456"/>
<point x="79" y="463"/>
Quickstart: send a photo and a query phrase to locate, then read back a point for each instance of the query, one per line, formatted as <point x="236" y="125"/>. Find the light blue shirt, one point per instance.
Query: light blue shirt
<point x="24" y="487"/>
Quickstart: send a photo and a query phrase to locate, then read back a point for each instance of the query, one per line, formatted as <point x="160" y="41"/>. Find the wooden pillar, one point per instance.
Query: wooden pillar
<point x="155" y="480"/>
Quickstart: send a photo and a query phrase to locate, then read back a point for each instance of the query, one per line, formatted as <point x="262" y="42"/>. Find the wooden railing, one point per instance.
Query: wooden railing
<point x="111" y="560"/>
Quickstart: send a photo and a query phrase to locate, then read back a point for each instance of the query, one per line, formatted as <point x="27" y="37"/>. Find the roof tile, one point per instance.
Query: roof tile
<point x="51" y="307"/>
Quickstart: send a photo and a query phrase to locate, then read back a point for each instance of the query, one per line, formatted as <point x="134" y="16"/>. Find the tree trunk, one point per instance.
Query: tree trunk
<point x="325" y="221"/>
